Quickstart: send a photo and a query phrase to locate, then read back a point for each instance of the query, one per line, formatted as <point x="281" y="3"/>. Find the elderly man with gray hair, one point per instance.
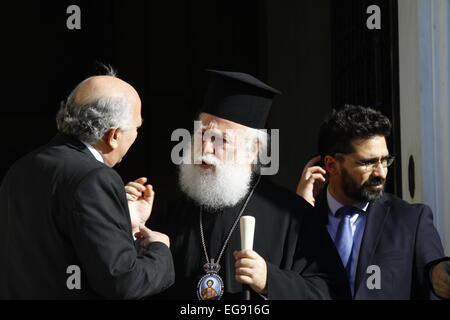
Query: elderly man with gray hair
<point x="66" y="229"/>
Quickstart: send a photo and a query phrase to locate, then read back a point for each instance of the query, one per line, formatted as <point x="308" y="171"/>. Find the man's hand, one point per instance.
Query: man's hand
<point x="140" y="202"/>
<point x="440" y="279"/>
<point x="251" y="269"/>
<point x="150" y="236"/>
<point x="311" y="181"/>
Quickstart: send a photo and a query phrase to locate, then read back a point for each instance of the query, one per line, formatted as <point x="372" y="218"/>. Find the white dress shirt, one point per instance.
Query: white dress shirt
<point x="94" y="152"/>
<point x="358" y="223"/>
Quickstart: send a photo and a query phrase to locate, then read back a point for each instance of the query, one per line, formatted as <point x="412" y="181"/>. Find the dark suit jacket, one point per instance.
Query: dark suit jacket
<point x="401" y="239"/>
<point x="61" y="207"/>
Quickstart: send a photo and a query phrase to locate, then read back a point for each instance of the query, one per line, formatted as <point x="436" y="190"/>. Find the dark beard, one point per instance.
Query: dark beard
<point x="363" y="193"/>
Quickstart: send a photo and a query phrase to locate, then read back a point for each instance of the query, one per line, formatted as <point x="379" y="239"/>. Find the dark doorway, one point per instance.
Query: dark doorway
<point x="317" y="52"/>
<point x="365" y="66"/>
<point x="161" y="48"/>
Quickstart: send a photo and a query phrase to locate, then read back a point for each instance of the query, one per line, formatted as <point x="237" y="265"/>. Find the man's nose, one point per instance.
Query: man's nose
<point x="208" y="146"/>
<point x="380" y="171"/>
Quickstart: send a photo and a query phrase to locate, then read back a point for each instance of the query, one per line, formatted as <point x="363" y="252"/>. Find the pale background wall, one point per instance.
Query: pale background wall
<point x="424" y="38"/>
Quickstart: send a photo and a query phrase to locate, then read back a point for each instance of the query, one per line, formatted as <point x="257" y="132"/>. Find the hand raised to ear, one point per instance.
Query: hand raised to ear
<point x="310" y="182"/>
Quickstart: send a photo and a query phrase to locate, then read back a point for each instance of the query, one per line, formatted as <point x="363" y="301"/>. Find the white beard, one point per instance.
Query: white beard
<point x="215" y="189"/>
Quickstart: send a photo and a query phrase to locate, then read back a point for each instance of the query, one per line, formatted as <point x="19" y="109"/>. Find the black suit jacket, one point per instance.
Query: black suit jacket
<point x="401" y="240"/>
<point x="60" y="207"/>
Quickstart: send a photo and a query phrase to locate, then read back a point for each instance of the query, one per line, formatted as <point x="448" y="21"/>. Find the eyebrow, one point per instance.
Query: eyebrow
<point x="216" y="133"/>
<point x="211" y="130"/>
<point x="374" y="159"/>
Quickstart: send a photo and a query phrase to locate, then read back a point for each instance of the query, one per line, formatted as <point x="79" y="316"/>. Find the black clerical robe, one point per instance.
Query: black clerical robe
<point x="301" y="258"/>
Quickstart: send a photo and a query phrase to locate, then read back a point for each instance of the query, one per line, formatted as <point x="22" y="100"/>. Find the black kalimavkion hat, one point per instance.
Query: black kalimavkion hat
<point x="239" y="97"/>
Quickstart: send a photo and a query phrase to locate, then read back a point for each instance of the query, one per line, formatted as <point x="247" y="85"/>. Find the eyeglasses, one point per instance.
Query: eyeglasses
<point x="371" y="165"/>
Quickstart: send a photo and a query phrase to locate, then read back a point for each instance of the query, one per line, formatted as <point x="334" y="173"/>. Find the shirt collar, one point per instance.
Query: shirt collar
<point x="335" y="205"/>
<point x="94" y="152"/>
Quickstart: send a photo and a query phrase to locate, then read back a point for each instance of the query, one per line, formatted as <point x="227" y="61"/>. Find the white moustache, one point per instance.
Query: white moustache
<point x="211" y="160"/>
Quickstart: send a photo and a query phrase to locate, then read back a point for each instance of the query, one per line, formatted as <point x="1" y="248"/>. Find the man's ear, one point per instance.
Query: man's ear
<point x="112" y="137"/>
<point x="256" y="147"/>
<point x="330" y="165"/>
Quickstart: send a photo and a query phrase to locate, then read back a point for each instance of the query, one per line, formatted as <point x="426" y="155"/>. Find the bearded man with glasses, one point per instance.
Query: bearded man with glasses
<point x="389" y="248"/>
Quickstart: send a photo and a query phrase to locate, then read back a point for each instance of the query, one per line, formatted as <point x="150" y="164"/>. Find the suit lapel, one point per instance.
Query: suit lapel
<point x="376" y="218"/>
<point x="321" y="206"/>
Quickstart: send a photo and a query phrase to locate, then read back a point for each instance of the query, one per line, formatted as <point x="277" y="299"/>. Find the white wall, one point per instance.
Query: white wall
<point x="424" y="39"/>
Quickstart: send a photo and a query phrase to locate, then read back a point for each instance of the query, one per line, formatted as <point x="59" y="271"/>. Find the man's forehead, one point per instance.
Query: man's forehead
<point x="370" y="147"/>
<point x="211" y="121"/>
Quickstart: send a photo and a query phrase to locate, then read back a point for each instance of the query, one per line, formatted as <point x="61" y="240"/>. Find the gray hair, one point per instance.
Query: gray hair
<point x="90" y="122"/>
<point x="261" y="139"/>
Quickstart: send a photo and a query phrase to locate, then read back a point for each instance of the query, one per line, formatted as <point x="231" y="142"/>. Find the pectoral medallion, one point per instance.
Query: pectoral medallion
<point x="210" y="286"/>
